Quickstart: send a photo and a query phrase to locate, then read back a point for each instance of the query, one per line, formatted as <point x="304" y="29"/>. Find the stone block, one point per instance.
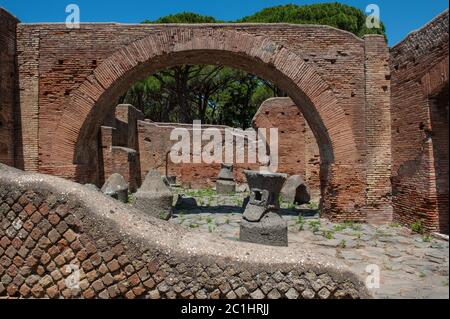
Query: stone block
<point x="116" y="187"/>
<point x="271" y="230"/>
<point x="225" y="184"/>
<point x="154" y="197"/>
<point x="225" y="187"/>
<point x="295" y="191"/>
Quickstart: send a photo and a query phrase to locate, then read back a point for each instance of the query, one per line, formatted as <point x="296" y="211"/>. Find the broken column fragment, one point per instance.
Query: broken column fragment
<point x="261" y="223"/>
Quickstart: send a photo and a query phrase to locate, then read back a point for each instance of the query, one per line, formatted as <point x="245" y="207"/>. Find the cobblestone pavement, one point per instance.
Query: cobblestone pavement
<point x="411" y="265"/>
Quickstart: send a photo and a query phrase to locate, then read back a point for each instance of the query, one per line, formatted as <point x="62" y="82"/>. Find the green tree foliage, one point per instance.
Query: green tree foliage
<point x="184" y="17"/>
<point x="212" y="94"/>
<point x="222" y="95"/>
<point x="337" y="15"/>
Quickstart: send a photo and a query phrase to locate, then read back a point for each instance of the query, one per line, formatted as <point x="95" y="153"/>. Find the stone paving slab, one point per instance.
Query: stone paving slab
<point x="411" y="265"/>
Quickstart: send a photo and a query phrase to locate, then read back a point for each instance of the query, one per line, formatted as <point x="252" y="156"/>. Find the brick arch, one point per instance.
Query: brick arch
<point x="89" y="104"/>
<point x="254" y="54"/>
<point x="435" y="88"/>
<point x="436" y="79"/>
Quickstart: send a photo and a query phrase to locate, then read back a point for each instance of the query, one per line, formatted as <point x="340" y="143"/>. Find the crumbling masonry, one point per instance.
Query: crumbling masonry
<point x="379" y="116"/>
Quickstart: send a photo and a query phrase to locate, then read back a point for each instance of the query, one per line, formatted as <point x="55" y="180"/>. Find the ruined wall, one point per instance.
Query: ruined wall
<point x="155" y="144"/>
<point x="378" y="131"/>
<point x="8" y="81"/>
<point x="66" y="58"/>
<point x="27" y="144"/>
<point x="297" y="147"/>
<point x="82" y="73"/>
<point x="419" y="68"/>
<point x="118" y="147"/>
<point x="126" y="118"/>
<point x="117" y="159"/>
<point x="51" y="227"/>
<point x="296" y="156"/>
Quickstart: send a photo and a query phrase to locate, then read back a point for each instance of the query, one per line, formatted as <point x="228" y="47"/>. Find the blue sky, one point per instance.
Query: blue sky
<point x="399" y="16"/>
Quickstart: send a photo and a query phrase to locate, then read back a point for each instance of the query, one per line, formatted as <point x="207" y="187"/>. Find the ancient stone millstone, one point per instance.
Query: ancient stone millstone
<point x="154" y="197"/>
<point x="225" y="184"/>
<point x="295" y="191"/>
<point x="116" y="187"/>
<point x="261" y="223"/>
<point x="184" y="202"/>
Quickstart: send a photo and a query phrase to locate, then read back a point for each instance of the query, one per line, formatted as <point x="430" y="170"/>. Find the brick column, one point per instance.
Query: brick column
<point x="378" y="130"/>
<point x="8" y="78"/>
<point x="27" y="148"/>
<point x="106" y="138"/>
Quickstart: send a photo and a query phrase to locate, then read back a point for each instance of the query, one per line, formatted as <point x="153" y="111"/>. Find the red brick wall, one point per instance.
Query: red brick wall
<point x="82" y="73"/>
<point x="118" y="146"/>
<point x="63" y="67"/>
<point x="155" y="144"/>
<point x="27" y="148"/>
<point x="297" y="148"/>
<point x="312" y="155"/>
<point x="439" y="123"/>
<point x="69" y="80"/>
<point x="117" y="159"/>
<point x="419" y="67"/>
<point x="105" y="151"/>
<point x="378" y="130"/>
<point x="295" y="155"/>
<point x="8" y="80"/>
<point x="126" y="117"/>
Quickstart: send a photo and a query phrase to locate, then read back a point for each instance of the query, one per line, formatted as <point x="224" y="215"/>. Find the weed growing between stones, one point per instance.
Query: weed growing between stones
<point x="339" y="228"/>
<point x="426" y="238"/>
<point x="417" y="227"/>
<point x="314" y="225"/>
<point x="163" y="215"/>
<point x="130" y="198"/>
<point x="328" y="234"/>
<point x="313" y="206"/>
<point x="300" y="222"/>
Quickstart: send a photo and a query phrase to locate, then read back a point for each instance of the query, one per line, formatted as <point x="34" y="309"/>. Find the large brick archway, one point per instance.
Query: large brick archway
<point x="91" y="102"/>
<point x="67" y="80"/>
<point x="83" y="115"/>
<point x="375" y="112"/>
